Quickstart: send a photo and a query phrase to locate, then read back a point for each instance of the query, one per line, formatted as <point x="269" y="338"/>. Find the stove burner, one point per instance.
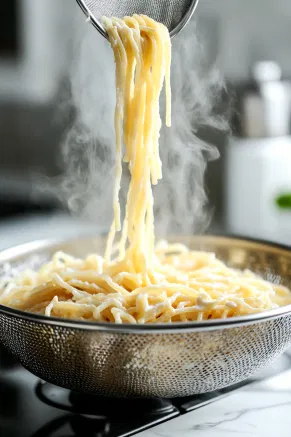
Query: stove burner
<point x="102" y="416"/>
<point x="92" y="426"/>
<point x="78" y="424"/>
<point x="99" y="406"/>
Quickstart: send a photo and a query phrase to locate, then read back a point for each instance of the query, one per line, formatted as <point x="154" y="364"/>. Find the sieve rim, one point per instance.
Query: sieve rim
<point x="159" y="328"/>
<point x="97" y="24"/>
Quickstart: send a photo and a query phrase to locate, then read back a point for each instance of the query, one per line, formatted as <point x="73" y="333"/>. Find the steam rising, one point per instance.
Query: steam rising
<point x="89" y="147"/>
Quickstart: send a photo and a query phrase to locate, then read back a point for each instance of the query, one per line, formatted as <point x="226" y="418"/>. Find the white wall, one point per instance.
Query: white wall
<point x="247" y="31"/>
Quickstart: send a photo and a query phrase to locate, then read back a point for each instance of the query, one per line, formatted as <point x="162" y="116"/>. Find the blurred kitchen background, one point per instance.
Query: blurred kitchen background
<point x="249" y="187"/>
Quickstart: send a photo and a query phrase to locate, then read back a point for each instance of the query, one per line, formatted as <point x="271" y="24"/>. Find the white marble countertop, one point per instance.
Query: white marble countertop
<point x="36" y="227"/>
<point x="261" y="409"/>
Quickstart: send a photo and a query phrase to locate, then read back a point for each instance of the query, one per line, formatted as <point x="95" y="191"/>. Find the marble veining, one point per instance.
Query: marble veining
<point x="262" y="409"/>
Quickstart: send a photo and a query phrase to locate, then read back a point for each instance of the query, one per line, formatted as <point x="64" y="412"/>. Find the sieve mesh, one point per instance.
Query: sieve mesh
<point x="96" y="359"/>
<point x="172" y="13"/>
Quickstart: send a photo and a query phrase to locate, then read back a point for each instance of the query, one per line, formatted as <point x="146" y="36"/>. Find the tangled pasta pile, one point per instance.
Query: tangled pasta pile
<point x="184" y="286"/>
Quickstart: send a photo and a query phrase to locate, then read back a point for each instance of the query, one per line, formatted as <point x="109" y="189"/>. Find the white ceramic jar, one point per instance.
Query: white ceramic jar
<point x="258" y="158"/>
<point x="258" y="174"/>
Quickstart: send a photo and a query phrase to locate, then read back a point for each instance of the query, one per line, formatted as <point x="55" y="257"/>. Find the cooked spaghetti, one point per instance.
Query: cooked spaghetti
<point x="137" y="282"/>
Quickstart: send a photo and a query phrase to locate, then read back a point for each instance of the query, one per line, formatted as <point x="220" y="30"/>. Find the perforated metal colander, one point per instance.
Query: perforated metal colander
<point x="154" y="360"/>
<point x="174" y="14"/>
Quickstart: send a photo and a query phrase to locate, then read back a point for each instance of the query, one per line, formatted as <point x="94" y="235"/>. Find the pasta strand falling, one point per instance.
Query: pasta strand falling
<point x="143" y="282"/>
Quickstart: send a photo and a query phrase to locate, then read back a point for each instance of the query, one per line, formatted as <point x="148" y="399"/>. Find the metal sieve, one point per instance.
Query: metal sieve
<point x="174" y="14"/>
<point x="150" y="360"/>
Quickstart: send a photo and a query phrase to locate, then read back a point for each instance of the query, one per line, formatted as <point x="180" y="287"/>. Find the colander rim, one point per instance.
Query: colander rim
<point x="177" y="327"/>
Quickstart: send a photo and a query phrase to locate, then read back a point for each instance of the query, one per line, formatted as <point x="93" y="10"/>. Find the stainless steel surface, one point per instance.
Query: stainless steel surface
<point x="152" y="360"/>
<point x="174" y="14"/>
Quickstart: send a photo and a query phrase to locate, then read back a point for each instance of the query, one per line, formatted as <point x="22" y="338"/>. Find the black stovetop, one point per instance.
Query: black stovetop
<point x="32" y="408"/>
